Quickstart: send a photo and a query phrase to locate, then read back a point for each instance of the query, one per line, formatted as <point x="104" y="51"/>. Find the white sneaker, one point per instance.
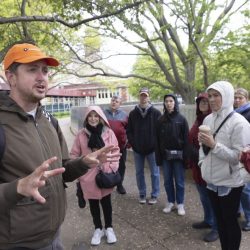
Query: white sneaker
<point x="97" y="236"/>
<point x="152" y="201"/>
<point x="180" y="209"/>
<point x="111" y="238"/>
<point x="142" y="200"/>
<point x="168" y="208"/>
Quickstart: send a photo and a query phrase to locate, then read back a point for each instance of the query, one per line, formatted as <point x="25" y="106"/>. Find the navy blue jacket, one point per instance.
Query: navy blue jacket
<point x="245" y="111"/>
<point x="141" y="129"/>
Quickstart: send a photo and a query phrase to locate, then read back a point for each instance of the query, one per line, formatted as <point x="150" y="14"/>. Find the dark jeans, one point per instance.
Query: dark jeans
<point x="225" y="209"/>
<point x="122" y="165"/>
<point x="209" y="216"/>
<point x="245" y="202"/>
<point x="96" y="213"/>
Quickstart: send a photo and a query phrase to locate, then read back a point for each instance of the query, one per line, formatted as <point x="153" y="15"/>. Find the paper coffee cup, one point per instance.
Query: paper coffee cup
<point x="204" y="129"/>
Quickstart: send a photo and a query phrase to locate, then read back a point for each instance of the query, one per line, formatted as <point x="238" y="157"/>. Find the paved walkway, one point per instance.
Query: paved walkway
<point x="138" y="227"/>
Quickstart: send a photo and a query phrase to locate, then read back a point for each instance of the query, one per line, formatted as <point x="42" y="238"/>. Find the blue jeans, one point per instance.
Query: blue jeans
<point x="245" y="202"/>
<point x="209" y="216"/>
<point x="140" y="178"/>
<point x="173" y="171"/>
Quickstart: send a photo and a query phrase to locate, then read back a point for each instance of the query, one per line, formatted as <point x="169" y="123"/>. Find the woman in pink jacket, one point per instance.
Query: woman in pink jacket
<point x="96" y="134"/>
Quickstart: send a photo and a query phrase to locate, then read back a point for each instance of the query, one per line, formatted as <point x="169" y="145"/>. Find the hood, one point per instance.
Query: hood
<point x="176" y="105"/>
<point x="9" y="105"/>
<point x="99" y="111"/>
<point x="227" y="93"/>
<point x="198" y="99"/>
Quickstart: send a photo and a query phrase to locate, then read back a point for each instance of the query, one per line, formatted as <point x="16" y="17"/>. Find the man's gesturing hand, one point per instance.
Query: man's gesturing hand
<point x="103" y="155"/>
<point x="29" y="185"/>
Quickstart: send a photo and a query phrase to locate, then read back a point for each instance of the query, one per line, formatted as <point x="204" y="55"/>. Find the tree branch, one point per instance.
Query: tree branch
<point x="25" y="29"/>
<point x="5" y="20"/>
<point x="122" y="77"/>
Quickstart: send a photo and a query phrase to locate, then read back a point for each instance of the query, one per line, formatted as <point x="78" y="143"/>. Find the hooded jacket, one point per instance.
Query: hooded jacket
<point x="171" y="131"/>
<point x="29" y="142"/>
<point x="80" y="148"/>
<point x="221" y="166"/>
<point x="193" y="141"/>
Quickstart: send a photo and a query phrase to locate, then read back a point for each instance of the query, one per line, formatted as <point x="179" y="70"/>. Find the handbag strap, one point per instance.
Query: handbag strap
<point x="217" y="130"/>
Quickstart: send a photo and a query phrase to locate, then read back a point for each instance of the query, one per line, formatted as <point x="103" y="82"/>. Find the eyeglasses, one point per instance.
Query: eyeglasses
<point x="204" y="102"/>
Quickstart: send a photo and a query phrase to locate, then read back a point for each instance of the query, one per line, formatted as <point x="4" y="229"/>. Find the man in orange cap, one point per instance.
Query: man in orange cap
<point x="32" y="189"/>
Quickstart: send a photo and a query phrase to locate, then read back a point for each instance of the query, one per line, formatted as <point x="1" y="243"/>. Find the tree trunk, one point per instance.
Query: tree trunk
<point x="187" y="89"/>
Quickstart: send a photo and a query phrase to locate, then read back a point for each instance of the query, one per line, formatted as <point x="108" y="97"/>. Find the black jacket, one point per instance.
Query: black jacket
<point x="141" y="129"/>
<point x="171" y="133"/>
<point x="246" y="114"/>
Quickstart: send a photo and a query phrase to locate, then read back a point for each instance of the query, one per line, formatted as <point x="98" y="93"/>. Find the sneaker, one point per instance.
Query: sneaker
<point x="142" y="199"/>
<point x="120" y="189"/>
<point x="211" y="236"/>
<point x="152" y="201"/>
<point x="246" y="227"/>
<point x="97" y="236"/>
<point x="200" y="225"/>
<point x="168" y="208"/>
<point x="111" y="238"/>
<point x="180" y="209"/>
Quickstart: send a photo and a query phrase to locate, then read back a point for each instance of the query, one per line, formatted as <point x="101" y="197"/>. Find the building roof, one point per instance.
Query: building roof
<point x="70" y="92"/>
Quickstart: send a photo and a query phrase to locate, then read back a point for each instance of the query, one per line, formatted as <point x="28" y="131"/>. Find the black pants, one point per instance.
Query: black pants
<point x="96" y="213"/>
<point x="226" y="209"/>
<point x="122" y="165"/>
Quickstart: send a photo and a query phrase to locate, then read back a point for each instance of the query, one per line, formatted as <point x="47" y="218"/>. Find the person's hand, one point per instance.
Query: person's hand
<point x="245" y="158"/>
<point x="29" y="185"/>
<point x="206" y="139"/>
<point x="102" y="155"/>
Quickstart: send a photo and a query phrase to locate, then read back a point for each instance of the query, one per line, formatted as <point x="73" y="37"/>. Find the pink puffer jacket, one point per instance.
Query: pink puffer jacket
<point x="80" y="147"/>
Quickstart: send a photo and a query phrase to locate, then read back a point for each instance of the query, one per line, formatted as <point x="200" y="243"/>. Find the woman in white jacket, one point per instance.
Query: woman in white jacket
<point x="220" y="166"/>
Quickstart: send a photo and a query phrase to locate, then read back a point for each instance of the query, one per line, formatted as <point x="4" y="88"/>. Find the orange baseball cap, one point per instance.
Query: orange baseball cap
<point x="26" y="53"/>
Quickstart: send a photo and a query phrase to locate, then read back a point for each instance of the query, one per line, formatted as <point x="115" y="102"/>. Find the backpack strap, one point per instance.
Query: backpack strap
<point x="2" y="141"/>
<point x="51" y="118"/>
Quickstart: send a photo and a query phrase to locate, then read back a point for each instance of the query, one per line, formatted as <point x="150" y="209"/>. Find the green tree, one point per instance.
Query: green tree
<point x="173" y="37"/>
<point x="185" y="29"/>
<point x="231" y="60"/>
<point x="47" y="21"/>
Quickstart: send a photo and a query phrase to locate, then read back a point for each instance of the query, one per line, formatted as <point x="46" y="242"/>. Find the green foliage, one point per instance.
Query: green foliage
<point x="61" y="114"/>
<point x="148" y="68"/>
<point x="175" y="39"/>
<point x="92" y="40"/>
<point x="180" y="31"/>
<point x="231" y="60"/>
